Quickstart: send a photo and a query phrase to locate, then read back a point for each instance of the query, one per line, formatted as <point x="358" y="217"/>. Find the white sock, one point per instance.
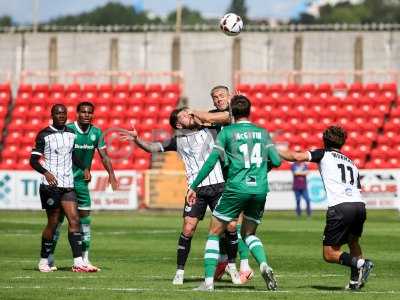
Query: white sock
<point x="222" y="257"/>
<point x="244" y="265"/>
<point x="180" y="272"/>
<point x="78" y="261"/>
<point x="263" y="265"/>
<point x="360" y="263"/>
<point x="85" y="256"/>
<point x="43" y="261"/>
<point x="232" y="266"/>
<point x="209" y="281"/>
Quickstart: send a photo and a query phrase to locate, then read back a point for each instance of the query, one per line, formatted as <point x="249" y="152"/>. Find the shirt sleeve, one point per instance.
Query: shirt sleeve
<point x="274" y="159"/>
<point x="206" y="168"/>
<point x="316" y="155"/>
<point x="168" y="145"/>
<point x="39" y="144"/>
<point x="101" y="143"/>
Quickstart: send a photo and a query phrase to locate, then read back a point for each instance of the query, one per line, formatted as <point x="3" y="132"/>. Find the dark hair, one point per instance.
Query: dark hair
<point x="85" y="103"/>
<point x="219" y="87"/>
<point x="53" y="108"/>
<point x="334" y="137"/>
<point x="240" y="106"/>
<point x="173" y="117"/>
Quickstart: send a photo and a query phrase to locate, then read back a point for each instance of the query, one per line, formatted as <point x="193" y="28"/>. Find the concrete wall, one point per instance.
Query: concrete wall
<point x="206" y="58"/>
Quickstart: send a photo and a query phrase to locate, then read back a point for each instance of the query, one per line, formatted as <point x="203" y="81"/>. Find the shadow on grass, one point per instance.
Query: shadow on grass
<point x="327" y="288"/>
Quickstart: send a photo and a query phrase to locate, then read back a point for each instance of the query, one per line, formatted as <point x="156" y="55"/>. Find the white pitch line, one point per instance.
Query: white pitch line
<point x="392" y="292"/>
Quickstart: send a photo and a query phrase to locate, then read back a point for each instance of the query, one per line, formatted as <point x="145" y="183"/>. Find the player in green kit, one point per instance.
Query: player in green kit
<point x="88" y="139"/>
<point x="248" y="153"/>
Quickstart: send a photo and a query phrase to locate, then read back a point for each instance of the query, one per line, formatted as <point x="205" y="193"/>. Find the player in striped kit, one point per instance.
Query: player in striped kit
<point x="248" y="152"/>
<point x="219" y="117"/>
<point x="55" y="144"/>
<point x="89" y="138"/>
<point x="346" y="212"/>
<point x="194" y="144"/>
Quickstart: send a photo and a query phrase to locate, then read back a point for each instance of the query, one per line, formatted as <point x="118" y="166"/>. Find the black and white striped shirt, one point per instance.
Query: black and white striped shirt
<point x="56" y="147"/>
<point x="194" y="146"/>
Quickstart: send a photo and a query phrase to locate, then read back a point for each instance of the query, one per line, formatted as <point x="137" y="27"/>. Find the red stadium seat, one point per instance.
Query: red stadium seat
<point x="56" y="91"/>
<point x="73" y="91"/>
<point x="89" y="92"/>
<point x="24" y="91"/>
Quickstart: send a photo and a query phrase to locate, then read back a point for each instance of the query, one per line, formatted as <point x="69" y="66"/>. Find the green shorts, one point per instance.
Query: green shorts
<point x="82" y="195"/>
<point x="232" y="204"/>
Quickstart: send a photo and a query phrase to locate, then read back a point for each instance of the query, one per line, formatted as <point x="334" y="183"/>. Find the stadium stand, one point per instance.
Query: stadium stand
<point x="294" y="113"/>
<point x="297" y="114"/>
<point x="119" y="106"/>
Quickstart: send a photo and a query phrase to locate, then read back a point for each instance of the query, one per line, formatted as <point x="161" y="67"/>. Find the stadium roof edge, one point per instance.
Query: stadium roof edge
<point x="203" y="28"/>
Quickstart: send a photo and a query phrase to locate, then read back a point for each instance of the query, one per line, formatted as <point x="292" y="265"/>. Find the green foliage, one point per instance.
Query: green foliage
<point x="189" y="17"/>
<point x="137" y="254"/>
<point x="238" y="7"/>
<point x="6" y="20"/>
<point x="369" y="11"/>
<point x="113" y="13"/>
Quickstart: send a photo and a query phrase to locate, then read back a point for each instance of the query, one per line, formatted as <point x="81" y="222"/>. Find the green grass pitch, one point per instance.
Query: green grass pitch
<point x="136" y="251"/>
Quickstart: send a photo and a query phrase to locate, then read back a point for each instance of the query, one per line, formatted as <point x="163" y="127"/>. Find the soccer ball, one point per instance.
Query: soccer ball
<point x="231" y="24"/>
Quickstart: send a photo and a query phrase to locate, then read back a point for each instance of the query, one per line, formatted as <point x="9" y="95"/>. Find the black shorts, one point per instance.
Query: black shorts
<point x="51" y="196"/>
<point x="206" y="196"/>
<point x="342" y="221"/>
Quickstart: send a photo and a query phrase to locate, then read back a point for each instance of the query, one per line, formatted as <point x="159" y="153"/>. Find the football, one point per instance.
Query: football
<point x="231" y="24"/>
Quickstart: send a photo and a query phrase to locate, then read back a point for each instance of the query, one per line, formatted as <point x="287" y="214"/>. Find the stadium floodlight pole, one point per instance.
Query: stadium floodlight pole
<point x="35" y="15"/>
<point x="178" y="24"/>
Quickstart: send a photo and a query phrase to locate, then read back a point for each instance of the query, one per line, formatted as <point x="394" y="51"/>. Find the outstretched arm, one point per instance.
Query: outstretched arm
<point x="150" y="147"/>
<point x="294" y="156"/>
<point x="206" y="168"/>
<point x="215" y="118"/>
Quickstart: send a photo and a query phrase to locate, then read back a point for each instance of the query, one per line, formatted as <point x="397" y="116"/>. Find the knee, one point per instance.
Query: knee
<point x="329" y="256"/>
<point x="189" y="229"/>
<point x="74" y="222"/>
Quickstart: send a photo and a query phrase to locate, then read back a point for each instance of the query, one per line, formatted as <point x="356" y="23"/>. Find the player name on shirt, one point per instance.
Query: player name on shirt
<point x="342" y="157"/>
<point x="85" y="146"/>
<point x="247" y="135"/>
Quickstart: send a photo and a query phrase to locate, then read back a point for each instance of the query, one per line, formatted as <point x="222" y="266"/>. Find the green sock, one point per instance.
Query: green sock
<point x="256" y="249"/>
<point x="242" y="247"/>
<point x="85" y="230"/>
<point x="56" y="235"/>
<point x="211" y="255"/>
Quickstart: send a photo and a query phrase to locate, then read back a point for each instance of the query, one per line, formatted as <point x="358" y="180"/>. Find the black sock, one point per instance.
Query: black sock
<point x="232" y="245"/>
<point x="183" y="250"/>
<point x="354" y="274"/>
<point x="75" y="241"/>
<point x="47" y="246"/>
<point x="348" y="260"/>
<point x="223" y="242"/>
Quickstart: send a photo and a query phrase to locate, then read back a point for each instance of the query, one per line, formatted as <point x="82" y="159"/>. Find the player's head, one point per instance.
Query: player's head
<point x="220" y="96"/>
<point x="180" y="118"/>
<point x="334" y="137"/>
<point x="240" y="106"/>
<point x="59" y="114"/>
<point x="85" y="112"/>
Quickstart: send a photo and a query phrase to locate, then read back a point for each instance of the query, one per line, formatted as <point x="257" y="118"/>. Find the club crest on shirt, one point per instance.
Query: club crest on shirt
<point x="92" y="137"/>
<point x="348" y="192"/>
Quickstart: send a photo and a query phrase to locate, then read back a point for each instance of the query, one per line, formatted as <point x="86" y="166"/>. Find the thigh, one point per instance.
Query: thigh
<point x="357" y="225"/>
<point x="255" y="208"/>
<point x="336" y="232"/>
<point x="212" y="194"/>
<point x="197" y="210"/>
<point x="50" y="197"/>
<point x="230" y="206"/>
<point x="83" y="196"/>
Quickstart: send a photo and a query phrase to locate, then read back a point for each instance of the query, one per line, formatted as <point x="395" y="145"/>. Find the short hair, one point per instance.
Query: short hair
<point x="334" y="137"/>
<point x="173" y="117"/>
<point x="240" y="106"/>
<point x="53" y="108"/>
<point x="219" y="87"/>
<point x="85" y="103"/>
